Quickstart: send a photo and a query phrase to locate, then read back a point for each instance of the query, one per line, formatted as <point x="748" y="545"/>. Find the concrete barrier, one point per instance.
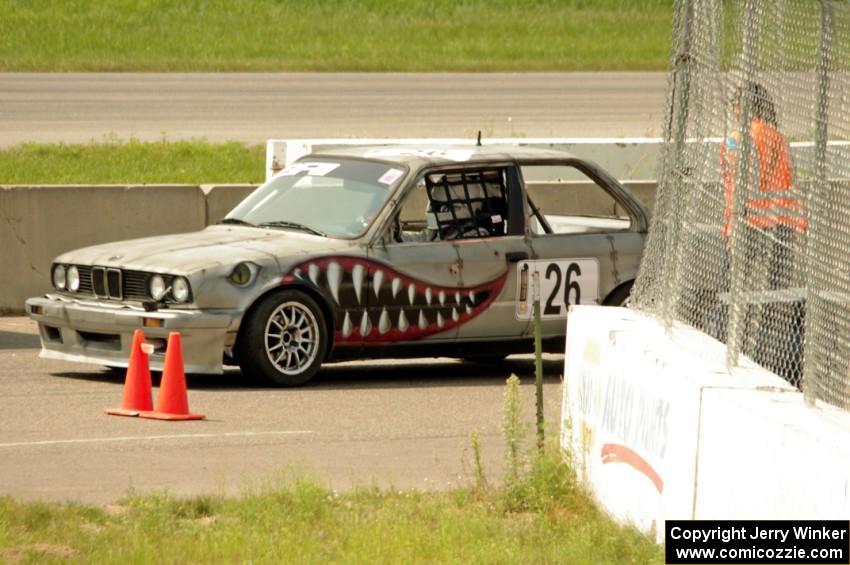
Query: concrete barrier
<point x="659" y="429"/>
<point x="37" y="223"/>
<point x="222" y="198"/>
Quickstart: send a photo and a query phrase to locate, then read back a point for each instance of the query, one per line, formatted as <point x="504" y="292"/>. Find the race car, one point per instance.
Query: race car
<point x="367" y="252"/>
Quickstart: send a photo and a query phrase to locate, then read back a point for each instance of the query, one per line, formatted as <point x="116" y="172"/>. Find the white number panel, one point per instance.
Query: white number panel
<point x="562" y="282"/>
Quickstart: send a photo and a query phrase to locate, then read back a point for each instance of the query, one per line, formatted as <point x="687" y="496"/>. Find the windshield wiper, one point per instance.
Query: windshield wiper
<point x="235" y="221"/>
<point x="293" y="225"/>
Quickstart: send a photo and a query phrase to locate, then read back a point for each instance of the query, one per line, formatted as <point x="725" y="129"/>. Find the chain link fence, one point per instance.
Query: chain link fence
<point x="750" y="240"/>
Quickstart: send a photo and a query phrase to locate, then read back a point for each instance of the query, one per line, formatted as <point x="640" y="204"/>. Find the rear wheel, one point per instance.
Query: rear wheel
<point x="621" y="296"/>
<point x="284" y="340"/>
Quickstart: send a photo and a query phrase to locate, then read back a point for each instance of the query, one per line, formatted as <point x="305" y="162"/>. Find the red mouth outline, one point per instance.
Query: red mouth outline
<point x="383" y="309"/>
<point x="617" y="453"/>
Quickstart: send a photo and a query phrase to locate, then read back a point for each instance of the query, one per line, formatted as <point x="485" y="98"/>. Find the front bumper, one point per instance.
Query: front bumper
<point x="99" y="333"/>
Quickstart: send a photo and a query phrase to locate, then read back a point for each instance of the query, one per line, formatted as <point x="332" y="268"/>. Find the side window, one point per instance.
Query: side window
<point x="571" y="201"/>
<point x="454" y="205"/>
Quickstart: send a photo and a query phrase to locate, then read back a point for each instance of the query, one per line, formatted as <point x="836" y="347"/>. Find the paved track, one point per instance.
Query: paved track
<point x="79" y="107"/>
<point x="404" y="424"/>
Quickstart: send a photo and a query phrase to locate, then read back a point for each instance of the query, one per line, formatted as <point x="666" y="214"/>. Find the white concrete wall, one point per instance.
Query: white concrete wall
<point x="659" y="429"/>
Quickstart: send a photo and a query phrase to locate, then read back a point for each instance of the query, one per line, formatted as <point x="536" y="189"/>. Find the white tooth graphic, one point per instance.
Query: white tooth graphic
<point x="455" y="315"/>
<point x="423" y="323"/>
<point x="440" y="320"/>
<point x="457" y="297"/>
<point x="346" y="326"/>
<point x="396" y="286"/>
<point x="365" y="325"/>
<point x="402" y="321"/>
<point x="297" y="273"/>
<point x="411" y="292"/>
<point x="472" y="296"/>
<point x="384" y="323"/>
<point x="313" y="271"/>
<point x="376" y="282"/>
<point x="358" y="273"/>
<point x="428" y="296"/>
<point x="468" y="309"/>
<point x="442" y="297"/>
<point x="334" y="275"/>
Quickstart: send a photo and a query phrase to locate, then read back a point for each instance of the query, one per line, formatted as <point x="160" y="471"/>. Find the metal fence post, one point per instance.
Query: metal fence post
<point x="815" y="212"/>
<point x="738" y="237"/>
<point x="671" y="271"/>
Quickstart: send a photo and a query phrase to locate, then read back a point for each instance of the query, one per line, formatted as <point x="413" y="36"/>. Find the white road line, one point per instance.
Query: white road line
<point x="144" y="438"/>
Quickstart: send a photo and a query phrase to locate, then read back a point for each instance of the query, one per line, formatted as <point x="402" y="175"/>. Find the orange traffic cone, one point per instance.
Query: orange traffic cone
<point x="172" y="403"/>
<point x="137" y="383"/>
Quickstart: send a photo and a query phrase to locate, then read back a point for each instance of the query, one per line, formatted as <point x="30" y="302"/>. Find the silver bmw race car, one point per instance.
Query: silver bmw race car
<point x="360" y="253"/>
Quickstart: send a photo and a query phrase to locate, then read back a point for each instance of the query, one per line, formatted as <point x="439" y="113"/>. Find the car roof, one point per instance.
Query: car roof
<point x="416" y="156"/>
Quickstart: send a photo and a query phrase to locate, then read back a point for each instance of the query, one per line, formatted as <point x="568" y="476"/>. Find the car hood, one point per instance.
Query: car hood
<point x="219" y="245"/>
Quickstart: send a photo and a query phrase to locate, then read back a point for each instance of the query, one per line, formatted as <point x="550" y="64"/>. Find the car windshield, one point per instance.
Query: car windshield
<point x="333" y="197"/>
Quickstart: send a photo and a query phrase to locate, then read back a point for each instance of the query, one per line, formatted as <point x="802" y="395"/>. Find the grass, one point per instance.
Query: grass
<point x="304" y="522"/>
<point x="132" y="162"/>
<point x="334" y="35"/>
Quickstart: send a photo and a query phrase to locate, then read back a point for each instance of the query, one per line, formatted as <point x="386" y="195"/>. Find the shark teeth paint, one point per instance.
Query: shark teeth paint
<point x="347" y="328"/>
<point x="384" y="324"/>
<point x="373" y="303"/>
<point x="377" y="279"/>
<point x="334" y="275"/>
<point x="358" y="275"/>
<point x="365" y="325"/>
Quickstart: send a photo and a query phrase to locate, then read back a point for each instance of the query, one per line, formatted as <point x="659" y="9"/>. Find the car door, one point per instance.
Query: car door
<point x="490" y="240"/>
<point x="586" y="239"/>
<point x="415" y="279"/>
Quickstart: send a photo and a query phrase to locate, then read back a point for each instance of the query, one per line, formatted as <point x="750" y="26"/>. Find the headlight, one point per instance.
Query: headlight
<point x="243" y="274"/>
<point x="73" y="279"/>
<point x="59" y="277"/>
<point x="180" y="289"/>
<point x="157" y="287"/>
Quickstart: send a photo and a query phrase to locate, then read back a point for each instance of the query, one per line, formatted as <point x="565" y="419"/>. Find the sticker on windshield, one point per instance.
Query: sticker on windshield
<point x="457" y="155"/>
<point x="312" y="169"/>
<point x="390" y="176"/>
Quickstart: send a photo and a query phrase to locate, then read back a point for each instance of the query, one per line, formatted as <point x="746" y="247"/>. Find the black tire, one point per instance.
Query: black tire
<point x="287" y="323"/>
<point x="621" y="296"/>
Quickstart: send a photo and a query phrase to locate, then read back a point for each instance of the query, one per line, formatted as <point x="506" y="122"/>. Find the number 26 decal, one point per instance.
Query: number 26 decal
<point x="562" y="282"/>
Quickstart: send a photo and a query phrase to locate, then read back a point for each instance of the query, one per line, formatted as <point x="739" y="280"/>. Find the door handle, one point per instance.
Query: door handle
<point x="516" y="256"/>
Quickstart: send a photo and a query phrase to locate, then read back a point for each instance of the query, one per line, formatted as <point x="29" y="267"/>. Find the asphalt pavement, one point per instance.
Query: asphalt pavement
<point x="404" y="424"/>
<point x="253" y="107"/>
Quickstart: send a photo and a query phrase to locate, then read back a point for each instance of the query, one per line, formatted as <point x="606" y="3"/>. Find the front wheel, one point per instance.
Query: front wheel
<point x="284" y="340"/>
